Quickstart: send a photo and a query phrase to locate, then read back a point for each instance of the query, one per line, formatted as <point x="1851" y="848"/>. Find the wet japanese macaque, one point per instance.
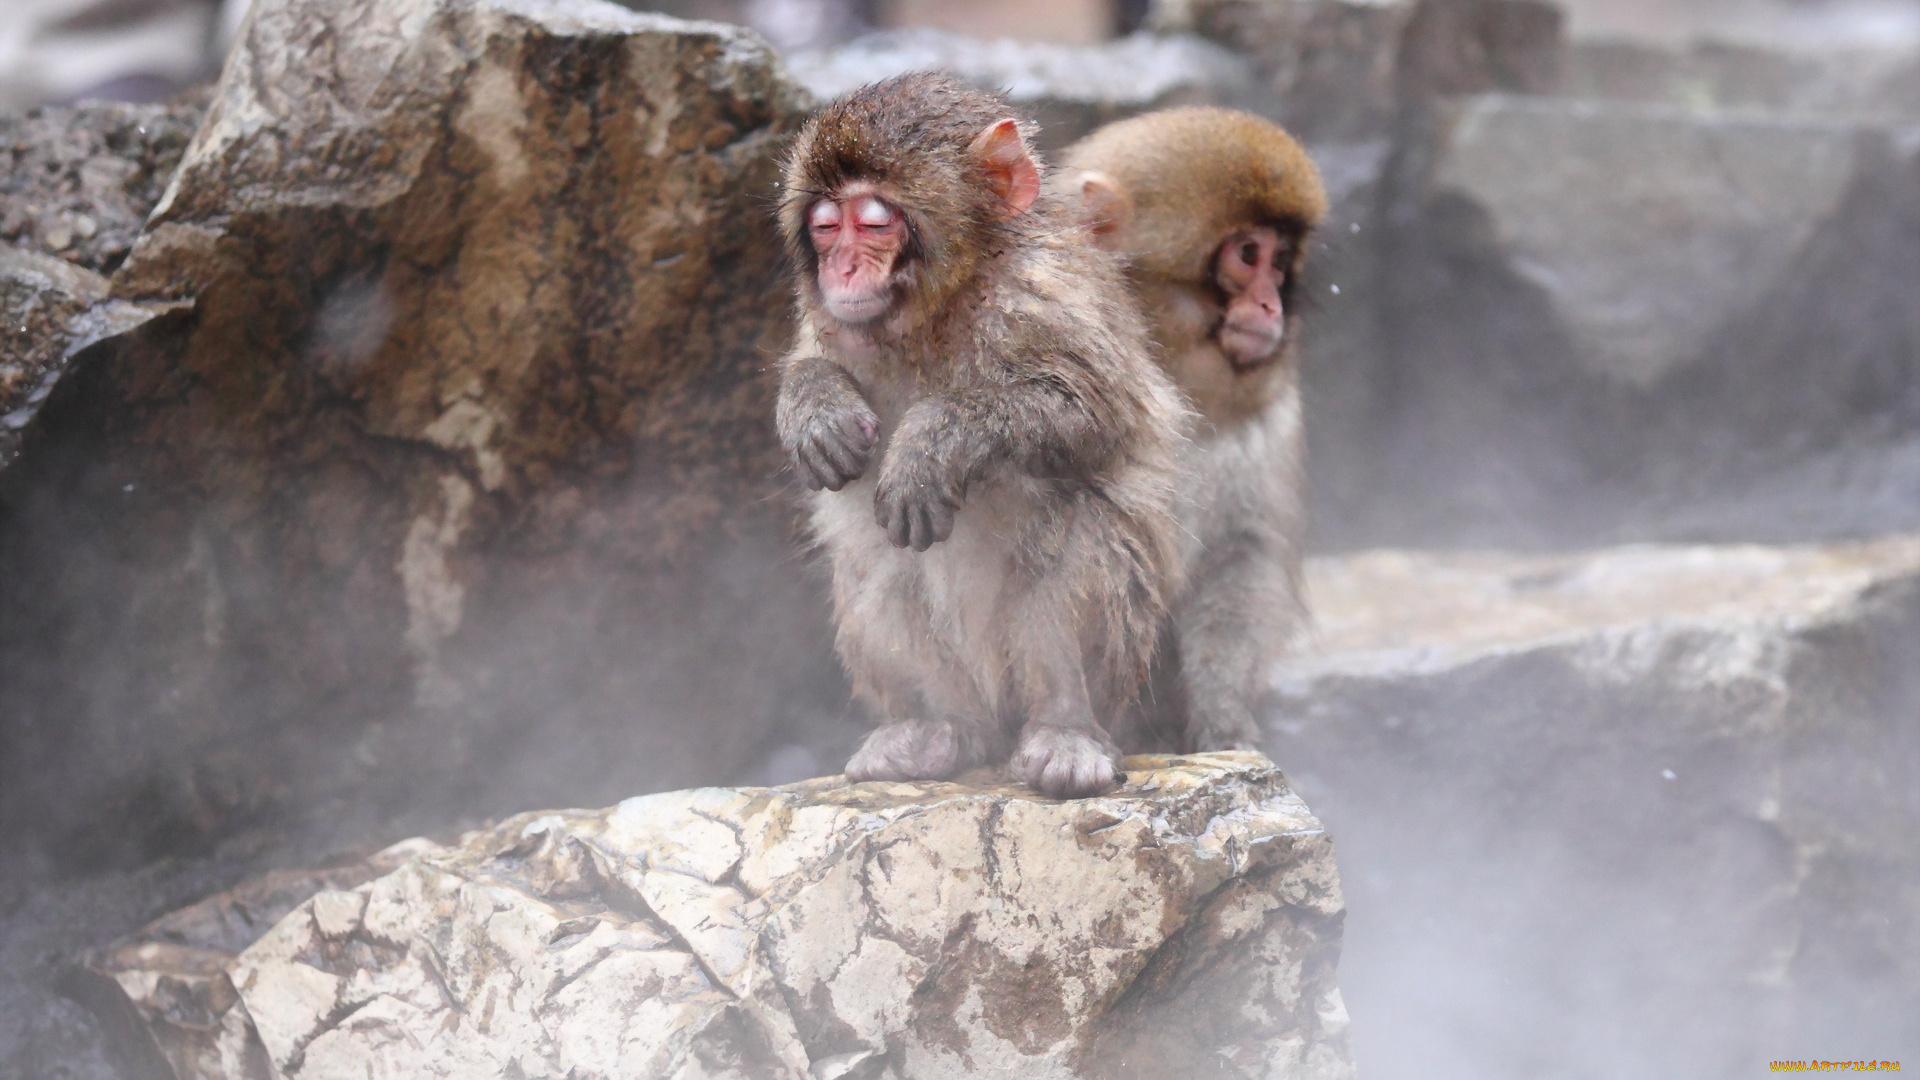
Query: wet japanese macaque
<point x="972" y="398"/>
<point x="1212" y="209"/>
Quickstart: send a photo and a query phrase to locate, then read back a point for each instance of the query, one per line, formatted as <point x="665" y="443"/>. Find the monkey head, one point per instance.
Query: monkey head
<point x="894" y="193"/>
<point x="1212" y="204"/>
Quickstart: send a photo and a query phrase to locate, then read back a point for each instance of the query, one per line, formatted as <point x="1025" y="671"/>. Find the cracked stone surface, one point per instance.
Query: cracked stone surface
<point x="1186" y="925"/>
<point x="1683" y="772"/>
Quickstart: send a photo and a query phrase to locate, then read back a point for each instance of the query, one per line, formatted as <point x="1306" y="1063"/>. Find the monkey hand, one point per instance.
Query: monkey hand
<point x="832" y="442"/>
<point x="919" y="489"/>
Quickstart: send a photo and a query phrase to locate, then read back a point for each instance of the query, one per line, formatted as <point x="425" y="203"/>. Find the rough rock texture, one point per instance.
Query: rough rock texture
<point x="1069" y="89"/>
<point x="1640" y="809"/>
<point x="162" y="993"/>
<point x="79" y="180"/>
<point x="1186" y="925"/>
<point x="449" y="487"/>
<point x="49" y="308"/>
<point x="1606" y="321"/>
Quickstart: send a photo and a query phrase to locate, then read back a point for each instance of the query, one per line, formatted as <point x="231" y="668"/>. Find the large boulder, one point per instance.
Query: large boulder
<point x="447" y="484"/>
<point x="1188" y="924"/>
<point x="1609" y="321"/>
<point x="1652" y="803"/>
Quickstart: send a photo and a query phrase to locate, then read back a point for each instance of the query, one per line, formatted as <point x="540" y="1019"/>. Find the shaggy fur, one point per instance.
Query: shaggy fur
<point x="1191" y="178"/>
<point x="1015" y="380"/>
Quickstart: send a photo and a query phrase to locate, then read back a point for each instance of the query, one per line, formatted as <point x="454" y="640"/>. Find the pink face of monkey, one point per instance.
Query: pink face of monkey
<point x="858" y="231"/>
<point x="858" y="236"/>
<point x="1250" y="268"/>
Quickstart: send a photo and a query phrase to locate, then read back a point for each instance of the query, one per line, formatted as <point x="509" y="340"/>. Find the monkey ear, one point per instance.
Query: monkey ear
<point x="1010" y="169"/>
<point x="1104" y="205"/>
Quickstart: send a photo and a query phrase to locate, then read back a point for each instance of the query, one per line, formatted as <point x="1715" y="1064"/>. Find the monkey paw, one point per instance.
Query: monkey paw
<point x="833" y="448"/>
<point x="914" y="500"/>
<point x="1066" y="763"/>
<point x="907" y="750"/>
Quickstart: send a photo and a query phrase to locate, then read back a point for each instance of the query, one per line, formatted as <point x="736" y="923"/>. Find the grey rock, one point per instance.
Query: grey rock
<point x="162" y="993"/>
<point x="1071" y="89"/>
<point x="1342" y="70"/>
<point x="1669" y="789"/>
<point x="1604" y="321"/>
<point x="1186" y="922"/>
<point x="78" y="181"/>
<point x="1647" y="230"/>
<point x="1878" y="86"/>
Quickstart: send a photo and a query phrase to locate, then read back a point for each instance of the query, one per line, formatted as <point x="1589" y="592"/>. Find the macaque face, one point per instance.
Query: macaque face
<point x="858" y="235"/>
<point x="1250" y="268"/>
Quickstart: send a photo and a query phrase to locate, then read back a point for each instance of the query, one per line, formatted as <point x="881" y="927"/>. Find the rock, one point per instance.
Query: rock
<point x="1340" y="71"/>
<point x="449" y="485"/>
<point x="1602" y="319"/>
<point x="1652" y="797"/>
<point x="78" y="181"/>
<point x="162" y="993"/>
<point x="1481" y="46"/>
<point x="1070" y="89"/>
<point x="1682" y="223"/>
<point x="1878" y="86"/>
<point x="1328" y="65"/>
<point x="49" y="308"/>
<point x="1186" y="924"/>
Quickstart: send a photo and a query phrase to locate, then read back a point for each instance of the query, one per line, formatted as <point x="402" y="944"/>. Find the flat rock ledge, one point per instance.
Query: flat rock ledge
<point x="1188" y="924"/>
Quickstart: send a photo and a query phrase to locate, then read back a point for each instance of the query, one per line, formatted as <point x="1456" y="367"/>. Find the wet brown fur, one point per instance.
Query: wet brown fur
<point x="1016" y="377"/>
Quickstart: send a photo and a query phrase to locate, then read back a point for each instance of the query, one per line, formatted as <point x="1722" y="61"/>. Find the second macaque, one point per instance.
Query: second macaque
<point x="1212" y="209"/>
<point x="972" y="398"/>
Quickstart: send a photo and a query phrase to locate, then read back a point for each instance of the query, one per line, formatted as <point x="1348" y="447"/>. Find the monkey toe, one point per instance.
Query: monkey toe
<point x="1064" y="763"/>
<point x="907" y="750"/>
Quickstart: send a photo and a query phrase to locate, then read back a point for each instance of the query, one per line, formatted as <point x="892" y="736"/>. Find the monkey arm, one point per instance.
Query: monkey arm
<point x="826" y="426"/>
<point x="947" y="441"/>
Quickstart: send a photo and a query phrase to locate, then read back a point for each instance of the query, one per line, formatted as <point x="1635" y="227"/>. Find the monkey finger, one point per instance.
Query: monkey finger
<point x="922" y="526"/>
<point x="892" y="517"/>
<point x="940" y="520"/>
<point x="820" y="473"/>
<point x="845" y="460"/>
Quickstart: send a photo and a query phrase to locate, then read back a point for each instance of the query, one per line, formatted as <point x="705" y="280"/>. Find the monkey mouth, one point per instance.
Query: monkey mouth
<point x="858" y="309"/>
<point x="1249" y="350"/>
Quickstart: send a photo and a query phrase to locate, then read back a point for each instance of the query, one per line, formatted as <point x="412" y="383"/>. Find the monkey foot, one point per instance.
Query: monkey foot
<point x="907" y="750"/>
<point x="1066" y="763"/>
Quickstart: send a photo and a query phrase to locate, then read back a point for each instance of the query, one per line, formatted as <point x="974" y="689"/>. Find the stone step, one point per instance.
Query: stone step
<point x="1654" y="799"/>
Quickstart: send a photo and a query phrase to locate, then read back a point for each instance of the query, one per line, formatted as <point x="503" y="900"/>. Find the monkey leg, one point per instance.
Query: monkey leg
<point x="912" y="682"/>
<point x="1240" y="611"/>
<point x="1062" y="750"/>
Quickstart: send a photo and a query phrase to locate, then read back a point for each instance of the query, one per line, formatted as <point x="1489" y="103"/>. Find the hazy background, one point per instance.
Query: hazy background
<point x="1529" y="940"/>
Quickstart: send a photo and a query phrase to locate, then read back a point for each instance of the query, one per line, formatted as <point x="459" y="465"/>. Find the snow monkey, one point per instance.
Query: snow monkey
<point x="1212" y="209"/>
<point x="972" y="397"/>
